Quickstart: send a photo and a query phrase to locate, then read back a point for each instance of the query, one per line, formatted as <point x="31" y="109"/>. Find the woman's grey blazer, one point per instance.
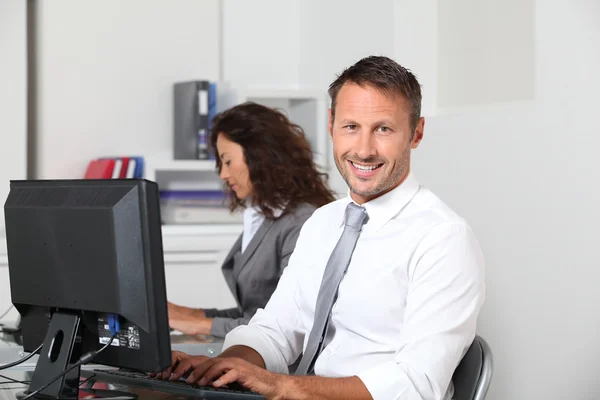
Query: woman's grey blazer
<point x="252" y="276"/>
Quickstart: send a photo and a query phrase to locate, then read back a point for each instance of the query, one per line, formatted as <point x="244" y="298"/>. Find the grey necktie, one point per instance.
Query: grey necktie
<point x="334" y="271"/>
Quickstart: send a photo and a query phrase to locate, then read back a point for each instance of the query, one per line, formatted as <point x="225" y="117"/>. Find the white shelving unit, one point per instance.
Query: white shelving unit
<point x="305" y="107"/>
<point x="187" y="165"/>
<point x="183" y="174"/>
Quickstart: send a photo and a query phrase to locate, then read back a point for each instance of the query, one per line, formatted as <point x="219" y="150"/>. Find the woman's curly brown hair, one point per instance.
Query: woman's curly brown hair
<point x="279" y="158"/>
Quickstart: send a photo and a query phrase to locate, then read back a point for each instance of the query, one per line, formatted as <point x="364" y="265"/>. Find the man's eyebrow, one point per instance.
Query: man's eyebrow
<point x="385" y="122"/>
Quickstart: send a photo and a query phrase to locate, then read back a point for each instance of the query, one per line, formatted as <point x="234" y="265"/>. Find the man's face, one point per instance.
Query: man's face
<point x="371" y="137"/>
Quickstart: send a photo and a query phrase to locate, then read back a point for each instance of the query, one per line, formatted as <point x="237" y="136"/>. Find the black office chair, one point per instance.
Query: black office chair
<point x="473" y="375"/>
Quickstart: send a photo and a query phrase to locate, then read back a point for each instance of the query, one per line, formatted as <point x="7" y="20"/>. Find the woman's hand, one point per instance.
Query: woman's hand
<point x="189" y="321"/>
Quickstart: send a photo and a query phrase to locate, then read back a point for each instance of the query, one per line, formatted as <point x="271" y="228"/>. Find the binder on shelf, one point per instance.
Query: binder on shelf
<point x="212" y="111"/>
<point x="115" y="168"/>
<point x="131" y="162"/>
<point x="190" y="120"/>
<point x="100" y="169"/>
<point x="124" y="167"/>
<point x="139" y="167"/>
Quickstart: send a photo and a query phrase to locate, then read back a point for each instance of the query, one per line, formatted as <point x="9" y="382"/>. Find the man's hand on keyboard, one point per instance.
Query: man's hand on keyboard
<point x="221" y="371"/>
<point x="177" y="357"/>
<point x="182" y="365"/>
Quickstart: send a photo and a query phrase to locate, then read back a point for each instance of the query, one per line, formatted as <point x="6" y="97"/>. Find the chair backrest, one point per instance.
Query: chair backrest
<point x="473" y="375"/>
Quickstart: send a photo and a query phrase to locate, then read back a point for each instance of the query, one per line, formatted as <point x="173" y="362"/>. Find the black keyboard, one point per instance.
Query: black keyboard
<point x="138" y="379"/>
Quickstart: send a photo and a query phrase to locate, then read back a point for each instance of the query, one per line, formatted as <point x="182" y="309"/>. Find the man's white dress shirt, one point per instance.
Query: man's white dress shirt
<point x="407" y="307"/>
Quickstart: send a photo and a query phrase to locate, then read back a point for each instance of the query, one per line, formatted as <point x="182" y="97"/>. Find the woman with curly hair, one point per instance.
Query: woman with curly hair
<point x="267" y="166"/>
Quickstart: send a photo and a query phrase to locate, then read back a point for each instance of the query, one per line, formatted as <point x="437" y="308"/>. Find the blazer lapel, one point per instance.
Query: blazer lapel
<point x="229" y="263"/>
<point x="252" y="246"/>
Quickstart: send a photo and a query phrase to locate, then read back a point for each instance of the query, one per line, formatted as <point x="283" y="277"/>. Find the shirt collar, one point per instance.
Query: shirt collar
<point x="385" y="207"/>
<point x="255" y="211"/>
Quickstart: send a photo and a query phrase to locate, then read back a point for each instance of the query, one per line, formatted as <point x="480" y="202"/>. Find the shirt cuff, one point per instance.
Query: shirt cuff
<point x="210" y="312"/>
<point x="253" y="337"/>
<point x="218" y="328"/>
<point x="390" y="381"/>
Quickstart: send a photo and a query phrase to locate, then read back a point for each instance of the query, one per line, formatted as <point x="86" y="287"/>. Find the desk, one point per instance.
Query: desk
<point x="195" y="345"/>
<point x="200" y="345"/>
<point x="10" y="391"/>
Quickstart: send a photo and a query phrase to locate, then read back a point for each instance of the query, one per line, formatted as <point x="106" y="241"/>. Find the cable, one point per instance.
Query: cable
<point x="11" y="380"/>
<point x="84" y="359"/>
<point x="86" y="380"/>
<point x="22" y="360"/>
<point x="5" y="313"/>
<point x="5" y="388"/>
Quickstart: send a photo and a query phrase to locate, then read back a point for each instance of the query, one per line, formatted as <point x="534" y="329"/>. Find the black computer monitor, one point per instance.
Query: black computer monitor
<point x="85" y="255"/>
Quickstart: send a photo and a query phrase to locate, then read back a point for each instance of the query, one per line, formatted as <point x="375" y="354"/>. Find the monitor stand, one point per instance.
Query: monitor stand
<point x="62" y="349"/>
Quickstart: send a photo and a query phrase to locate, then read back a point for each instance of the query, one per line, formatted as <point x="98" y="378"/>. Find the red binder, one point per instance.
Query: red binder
<point x="100" y="169"/>
<point x="124" y="166"/>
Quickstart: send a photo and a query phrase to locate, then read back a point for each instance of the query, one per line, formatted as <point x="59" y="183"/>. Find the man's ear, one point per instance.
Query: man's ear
<point x="330" y="124"/>
<point x="418" y="135"/>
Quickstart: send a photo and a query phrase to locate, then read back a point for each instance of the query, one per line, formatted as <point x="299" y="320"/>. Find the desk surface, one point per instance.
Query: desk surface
<point x="195" y="345"/>
<point x="10" y="351"/>
<point x="9" y="391"/>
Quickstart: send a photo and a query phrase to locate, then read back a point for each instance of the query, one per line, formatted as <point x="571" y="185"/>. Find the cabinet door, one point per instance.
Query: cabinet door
<point x="193" y="270"/>
<point x="5" y="302"/>
<point x="198" y="284"/>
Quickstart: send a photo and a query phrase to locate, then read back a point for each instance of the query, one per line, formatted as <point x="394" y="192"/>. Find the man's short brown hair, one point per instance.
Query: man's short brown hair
<point x="386" y="75"/>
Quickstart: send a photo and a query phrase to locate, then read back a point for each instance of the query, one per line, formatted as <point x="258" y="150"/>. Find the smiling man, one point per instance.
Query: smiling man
<point x="381" y="296"/>
<point x="374" y="129"/>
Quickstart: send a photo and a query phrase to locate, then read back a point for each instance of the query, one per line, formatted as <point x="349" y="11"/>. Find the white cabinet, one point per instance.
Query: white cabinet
<point x="5" y="301"/>
<point x="193" y="259"/>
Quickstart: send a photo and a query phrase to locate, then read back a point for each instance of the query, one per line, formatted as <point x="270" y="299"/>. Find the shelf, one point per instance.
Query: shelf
<point x="207" y="229"/>
<point x="164" y="170"/>
<point x="186" y="165"/>
<point x="305" y="106"/>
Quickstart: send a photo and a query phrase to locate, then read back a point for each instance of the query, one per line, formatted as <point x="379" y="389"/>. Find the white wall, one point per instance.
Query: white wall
<point x="106" y="70"/>
<point x="13" y="95"/>
<point x="259" y="47"/>
<point x="525" y="175"/>
<point x="337" y="33"/>
<point x="416" y="46"/>
<point x="13" y="117"/>
<point x="300" y="43"/>
<point x="486" y="52"/>
<point x="303" y="43"/>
